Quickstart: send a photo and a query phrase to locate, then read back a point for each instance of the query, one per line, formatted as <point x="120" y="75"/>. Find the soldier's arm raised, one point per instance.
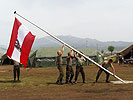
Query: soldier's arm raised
<point x="72" y="53"/>
<point x="62" y="49"/>
<point x="75" y="55"/>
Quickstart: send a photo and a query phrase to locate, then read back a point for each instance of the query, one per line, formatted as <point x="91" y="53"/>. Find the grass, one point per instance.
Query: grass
<point x="39" y="84"/>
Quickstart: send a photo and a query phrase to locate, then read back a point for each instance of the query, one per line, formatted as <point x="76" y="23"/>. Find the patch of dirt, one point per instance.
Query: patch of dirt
<point x="39" y="84"/>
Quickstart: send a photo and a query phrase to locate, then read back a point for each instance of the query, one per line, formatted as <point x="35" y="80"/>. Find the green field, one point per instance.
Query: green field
<point x="39" y="84"/>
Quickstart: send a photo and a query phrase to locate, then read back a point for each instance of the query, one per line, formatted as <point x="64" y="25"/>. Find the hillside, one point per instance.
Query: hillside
<point x="79" y="43"/>
<point x="75" y="42"/>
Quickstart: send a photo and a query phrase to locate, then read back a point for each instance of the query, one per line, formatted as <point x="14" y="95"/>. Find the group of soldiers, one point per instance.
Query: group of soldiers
<point x="79" y="68"/>
<point x="69" y="69"/>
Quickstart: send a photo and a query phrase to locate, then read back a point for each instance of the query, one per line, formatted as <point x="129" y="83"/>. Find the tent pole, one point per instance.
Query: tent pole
<point x="59" y="40"/>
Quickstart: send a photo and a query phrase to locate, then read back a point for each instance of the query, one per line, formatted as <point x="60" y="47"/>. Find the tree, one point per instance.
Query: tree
<point x="111" y="49"/>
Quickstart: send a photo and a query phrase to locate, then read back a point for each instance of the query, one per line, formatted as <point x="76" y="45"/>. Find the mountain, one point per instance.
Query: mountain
<point x="79" y="43"/>
<point x="75" y="42"/>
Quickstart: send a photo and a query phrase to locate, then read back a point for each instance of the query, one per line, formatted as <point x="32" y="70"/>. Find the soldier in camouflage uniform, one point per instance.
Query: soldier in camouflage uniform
<point x="79" y="67"/>
<point x="105" y="65"/>
<point x="16" y="70"/>
<point x="59" y="66"/>
<point x="69" y="69"/>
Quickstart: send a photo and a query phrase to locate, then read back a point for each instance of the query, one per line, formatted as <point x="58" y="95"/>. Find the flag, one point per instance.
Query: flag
<point x="20" y="43"/>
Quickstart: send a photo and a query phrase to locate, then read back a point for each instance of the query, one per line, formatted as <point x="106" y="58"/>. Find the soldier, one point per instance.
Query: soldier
<point x="59" y="64"/>
<point x="79" y="67"/>
<point x="105" y="65"/>
<point x="69" y="69"/>
<point x="16" y="70"/>
<point x="120" y="60"/>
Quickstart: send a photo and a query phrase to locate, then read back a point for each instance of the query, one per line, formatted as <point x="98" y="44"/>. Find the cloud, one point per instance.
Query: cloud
<point x="100" y="19"/>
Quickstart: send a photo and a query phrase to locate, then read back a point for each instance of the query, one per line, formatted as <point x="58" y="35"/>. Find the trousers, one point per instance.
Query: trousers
<point x="69" y="73"/>
<point x="16" y="72"/>
<point x="61" y="74"/>
<point x="79" y="69"/>
<point x="99" y="73"/>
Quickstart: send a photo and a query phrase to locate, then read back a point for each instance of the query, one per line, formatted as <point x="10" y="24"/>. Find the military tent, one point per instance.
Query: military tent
<point x="46" y="57"/>
<point x="5" y="60"/>
<point x="127" y="52"/>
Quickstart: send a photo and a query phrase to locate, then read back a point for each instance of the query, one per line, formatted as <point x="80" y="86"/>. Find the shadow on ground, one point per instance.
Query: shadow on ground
<point x="9" y="81"/>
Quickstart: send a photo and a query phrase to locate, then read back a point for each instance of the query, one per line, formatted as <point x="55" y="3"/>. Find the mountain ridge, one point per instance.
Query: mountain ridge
<point x="79" y="43"/>
<point x="76" y="42"/>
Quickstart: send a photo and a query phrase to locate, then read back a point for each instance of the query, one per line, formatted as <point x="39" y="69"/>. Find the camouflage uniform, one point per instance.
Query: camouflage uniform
<point x="79" y="68"/>
<point x="16" y="70"/>
<point x="59" y="64"/>
<point x="105" y="65"/>
<point x="69" y="70"/>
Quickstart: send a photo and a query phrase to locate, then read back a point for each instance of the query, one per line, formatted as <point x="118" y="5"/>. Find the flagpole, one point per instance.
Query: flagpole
<point x="71" y="47"/>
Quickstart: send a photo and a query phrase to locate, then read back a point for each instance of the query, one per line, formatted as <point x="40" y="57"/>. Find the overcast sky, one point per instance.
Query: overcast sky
<point x="104" y="20"/>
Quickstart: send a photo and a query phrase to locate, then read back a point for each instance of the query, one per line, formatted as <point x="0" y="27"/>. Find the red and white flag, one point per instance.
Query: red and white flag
<point x="20" y="43"/>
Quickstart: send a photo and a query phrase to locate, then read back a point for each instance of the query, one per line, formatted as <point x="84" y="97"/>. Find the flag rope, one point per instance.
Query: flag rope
<point x="59" y="40"/>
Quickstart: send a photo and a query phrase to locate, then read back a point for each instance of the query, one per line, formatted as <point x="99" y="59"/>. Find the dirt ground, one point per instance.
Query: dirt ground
<point x="39" y="84"/>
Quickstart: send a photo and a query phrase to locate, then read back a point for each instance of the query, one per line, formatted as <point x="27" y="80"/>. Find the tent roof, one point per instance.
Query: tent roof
<point x="126" y="50"/>
<point x="52" y="51"/>
<point x="3" y="56"/>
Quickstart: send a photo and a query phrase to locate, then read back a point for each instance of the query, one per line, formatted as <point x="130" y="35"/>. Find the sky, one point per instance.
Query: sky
<point x="104" y="20"/>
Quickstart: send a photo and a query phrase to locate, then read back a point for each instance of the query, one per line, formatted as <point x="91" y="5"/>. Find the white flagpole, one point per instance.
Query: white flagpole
<point x="71" y="48"/>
